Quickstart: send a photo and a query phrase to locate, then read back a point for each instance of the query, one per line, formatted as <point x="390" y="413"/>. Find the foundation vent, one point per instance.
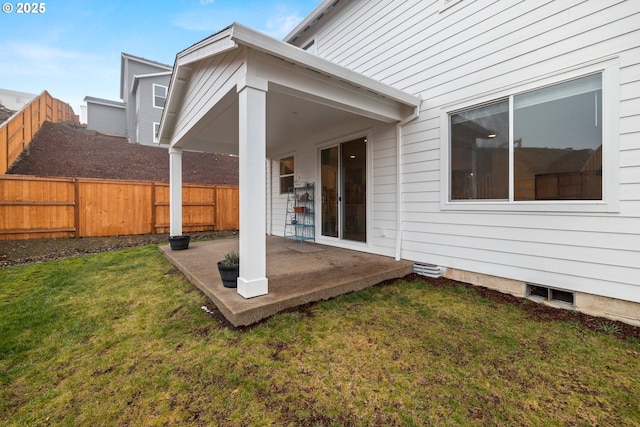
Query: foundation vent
<point x="552" y="295"/>
<point x="428" y="270"/>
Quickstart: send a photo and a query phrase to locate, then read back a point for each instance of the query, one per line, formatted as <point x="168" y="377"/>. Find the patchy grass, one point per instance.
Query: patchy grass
<point x="118" y="339"/>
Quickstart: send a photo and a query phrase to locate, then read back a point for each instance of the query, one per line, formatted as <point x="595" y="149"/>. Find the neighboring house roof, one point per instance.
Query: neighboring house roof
<point x="128" y="57"/>
<point x="138" y="77"/>
<point x="14" y="99"/>
<point x="102" y="101"/>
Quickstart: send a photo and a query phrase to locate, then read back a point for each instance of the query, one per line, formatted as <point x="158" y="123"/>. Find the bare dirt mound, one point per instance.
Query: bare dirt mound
<point x="64" y="150"/>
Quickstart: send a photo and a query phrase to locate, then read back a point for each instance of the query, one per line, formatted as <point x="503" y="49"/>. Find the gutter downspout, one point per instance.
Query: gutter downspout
<point x="399" y="125"/>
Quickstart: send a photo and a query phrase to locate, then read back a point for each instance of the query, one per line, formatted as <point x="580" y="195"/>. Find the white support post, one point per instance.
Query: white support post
<point x="175" y="191"/>
<point x="252" y="97"/>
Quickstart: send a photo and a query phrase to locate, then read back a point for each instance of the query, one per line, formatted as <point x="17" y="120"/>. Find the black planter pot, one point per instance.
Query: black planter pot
<point x="229" y="274"/>
<point x="178" y="243"/>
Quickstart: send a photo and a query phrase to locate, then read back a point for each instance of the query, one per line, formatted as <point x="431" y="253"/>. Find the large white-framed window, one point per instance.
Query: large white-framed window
<point x="287" y="173"/>
<point x="156" y="132"/>
<point x="159" y="95"/>
<point x="548" y="144"/>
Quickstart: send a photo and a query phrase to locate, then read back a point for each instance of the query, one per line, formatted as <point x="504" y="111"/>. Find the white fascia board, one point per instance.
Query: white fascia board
<point x="206" y="48"/>
<point x="138" y="77"/>
<point x="142" y="76"/>
<point x="174" y="97"/>
<point x="264" y="43"/>
<point x="100" y="101"/>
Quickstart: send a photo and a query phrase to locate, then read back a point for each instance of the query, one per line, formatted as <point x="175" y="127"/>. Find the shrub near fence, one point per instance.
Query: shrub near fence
<point x="17" y="132"/>
<point x="33" y="207"/>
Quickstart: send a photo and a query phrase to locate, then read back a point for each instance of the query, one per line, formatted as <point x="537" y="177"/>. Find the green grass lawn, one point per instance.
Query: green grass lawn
<point x="119" y="339"/>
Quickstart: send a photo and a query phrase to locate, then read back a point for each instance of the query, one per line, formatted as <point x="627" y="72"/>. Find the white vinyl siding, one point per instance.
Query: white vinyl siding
<point x="133" y="67"/>
<point x="148" y="114"/>
<point x="106" y="118"/>
<point x="214" y="74"/>
<point x="473" y="52"/>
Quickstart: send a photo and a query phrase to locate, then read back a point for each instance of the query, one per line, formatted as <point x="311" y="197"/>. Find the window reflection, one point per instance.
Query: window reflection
<point x="558" y="142"/>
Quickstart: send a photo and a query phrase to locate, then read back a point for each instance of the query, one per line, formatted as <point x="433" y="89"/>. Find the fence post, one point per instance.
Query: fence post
<point x="153" y="208"/>
<point x="215" y="208"/>
<point x="4" y="149"/>
<point x="76" y="207"/>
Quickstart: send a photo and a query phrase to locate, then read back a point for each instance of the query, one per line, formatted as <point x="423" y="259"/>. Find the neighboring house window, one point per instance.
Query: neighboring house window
<point x="286" y="174"/>
<point x="544" y="144"/>
<point x="159" y="95"/>
<point x="156" y="131"/>
<point x="310" y="47"/>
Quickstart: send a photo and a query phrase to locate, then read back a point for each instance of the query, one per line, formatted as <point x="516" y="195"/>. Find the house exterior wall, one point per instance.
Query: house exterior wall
<point x="133" y="68"/>
<point x="469" y="52"/>
<point x="14" y="100"/>
<point x="381" y="181"/>
<point x="147" y="113"/>
<point x="106" y="119"/>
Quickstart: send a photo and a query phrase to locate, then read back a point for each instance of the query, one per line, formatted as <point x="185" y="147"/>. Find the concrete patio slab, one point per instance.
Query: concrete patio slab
<point x="297" y="273"/>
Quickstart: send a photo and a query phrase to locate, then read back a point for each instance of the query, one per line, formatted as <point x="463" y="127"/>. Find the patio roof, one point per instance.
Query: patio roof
<point x="305" y="93"/>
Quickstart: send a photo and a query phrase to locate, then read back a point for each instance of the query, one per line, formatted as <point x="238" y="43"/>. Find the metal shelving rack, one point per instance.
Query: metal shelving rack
<point x="299" y="220"/>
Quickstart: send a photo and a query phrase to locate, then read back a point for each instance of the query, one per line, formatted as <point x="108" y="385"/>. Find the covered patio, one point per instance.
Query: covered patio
<point x="298" y="274"/>
<point x="242" y="92"/>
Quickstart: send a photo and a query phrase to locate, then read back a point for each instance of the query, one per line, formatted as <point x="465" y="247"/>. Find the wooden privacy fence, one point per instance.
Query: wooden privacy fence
<point x="17" y="132"/>
<point x="33" y="207"/>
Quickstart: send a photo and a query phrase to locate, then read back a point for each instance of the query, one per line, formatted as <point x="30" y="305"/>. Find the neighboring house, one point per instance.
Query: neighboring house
<point x="143" y="90"/>
<point x="495" y="142"/>
<point x="106" y="116"/>
<point x="14" y="100"/>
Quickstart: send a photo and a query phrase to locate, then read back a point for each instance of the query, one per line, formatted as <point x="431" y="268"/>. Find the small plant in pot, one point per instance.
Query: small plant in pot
<point x="229" y="269"/>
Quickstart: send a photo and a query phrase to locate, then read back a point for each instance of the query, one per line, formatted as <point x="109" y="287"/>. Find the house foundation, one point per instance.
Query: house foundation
<point x="593" y="305"/>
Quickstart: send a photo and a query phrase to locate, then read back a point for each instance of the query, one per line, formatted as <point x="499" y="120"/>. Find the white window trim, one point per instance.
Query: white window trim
<point x="153" y="94"/>
<point x="155" y="134"/>
<point x="610" y="69"/>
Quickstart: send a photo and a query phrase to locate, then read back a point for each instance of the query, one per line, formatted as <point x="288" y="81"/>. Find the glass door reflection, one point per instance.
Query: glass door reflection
<point x="344" y="190"/>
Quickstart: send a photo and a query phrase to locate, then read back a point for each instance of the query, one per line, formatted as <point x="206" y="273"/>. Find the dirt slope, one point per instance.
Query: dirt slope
<point x="63" y="150"/>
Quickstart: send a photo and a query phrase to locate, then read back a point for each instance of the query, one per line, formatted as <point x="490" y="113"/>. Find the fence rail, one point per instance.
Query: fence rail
<point x="33" y="207"/>
<point x="17" y="132"/>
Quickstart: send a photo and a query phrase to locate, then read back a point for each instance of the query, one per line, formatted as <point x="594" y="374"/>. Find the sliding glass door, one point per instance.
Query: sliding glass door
<point x="344" y="190"/>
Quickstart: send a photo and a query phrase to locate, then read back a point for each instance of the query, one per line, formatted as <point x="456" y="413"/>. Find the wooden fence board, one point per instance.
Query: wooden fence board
<point x="33" y="207"/>
<point x="110" y="208"/>
<point x="228" y="208"/>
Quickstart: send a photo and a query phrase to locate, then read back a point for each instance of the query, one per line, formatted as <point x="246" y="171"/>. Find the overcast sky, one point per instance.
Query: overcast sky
<point x="72" y="49"/>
